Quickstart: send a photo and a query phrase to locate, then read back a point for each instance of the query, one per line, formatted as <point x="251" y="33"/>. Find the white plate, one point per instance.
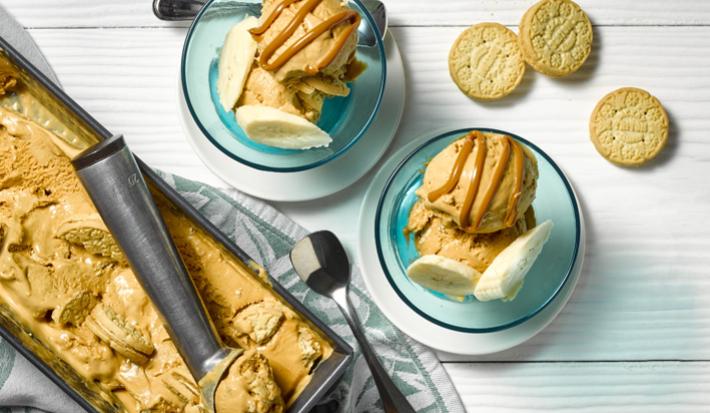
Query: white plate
<point x="321" y="181"/>
<point x="416" y="326"/>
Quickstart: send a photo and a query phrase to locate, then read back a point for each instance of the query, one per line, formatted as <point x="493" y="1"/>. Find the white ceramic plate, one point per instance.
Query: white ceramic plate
<point x="416" y="326"/>
<point x="323" y="180"/>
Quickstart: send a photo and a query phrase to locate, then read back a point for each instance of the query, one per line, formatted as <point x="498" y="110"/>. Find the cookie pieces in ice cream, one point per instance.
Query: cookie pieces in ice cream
<point x="249" y="386"/>
<point x="91" y="234"/>
<point x="261" y="320"/>
<point x="121" y="335"/>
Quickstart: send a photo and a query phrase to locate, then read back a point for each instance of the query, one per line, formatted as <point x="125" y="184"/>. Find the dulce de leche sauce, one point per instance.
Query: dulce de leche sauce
<point x="349" y="17"/>
<point x="472" y="179"/>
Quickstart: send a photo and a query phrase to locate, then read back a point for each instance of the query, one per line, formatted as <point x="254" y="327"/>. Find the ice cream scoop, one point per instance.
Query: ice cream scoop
<point x="111" y="176"/>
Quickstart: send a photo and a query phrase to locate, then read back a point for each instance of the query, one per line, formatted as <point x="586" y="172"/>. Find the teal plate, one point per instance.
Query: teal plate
<point x="554" y="200"/>
<point x="346" y="119"/>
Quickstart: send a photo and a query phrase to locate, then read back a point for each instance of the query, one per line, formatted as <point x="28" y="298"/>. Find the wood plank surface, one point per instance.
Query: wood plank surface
<point x="635" y="336"/>
<point x="138" y="13"/>
<point x="645" y="293"/>
<point x="583" y="387"/>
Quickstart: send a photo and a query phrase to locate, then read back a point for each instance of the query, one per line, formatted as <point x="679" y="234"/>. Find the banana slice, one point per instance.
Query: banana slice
<point x="504" y="277"/>
<point x="235" y="62"/>
<point x="444" y="275"/>
<point x="273" y="127"/>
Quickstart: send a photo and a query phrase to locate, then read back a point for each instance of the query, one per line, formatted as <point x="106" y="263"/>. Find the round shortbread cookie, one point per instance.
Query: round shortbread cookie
<point x="629" y="126"/>
<point x="485" y="61"/>
<point x="556" y="37"/>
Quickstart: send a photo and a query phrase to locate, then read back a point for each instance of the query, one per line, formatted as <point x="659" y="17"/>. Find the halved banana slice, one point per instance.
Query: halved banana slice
<point x="444" y="275"/>
<point x="504" y="277"/>
<point x="273" y="127"/>
<point x="235" y="62"/>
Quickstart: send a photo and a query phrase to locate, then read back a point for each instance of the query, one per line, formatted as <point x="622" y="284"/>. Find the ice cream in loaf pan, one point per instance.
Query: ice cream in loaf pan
<point x="64" y="277"/>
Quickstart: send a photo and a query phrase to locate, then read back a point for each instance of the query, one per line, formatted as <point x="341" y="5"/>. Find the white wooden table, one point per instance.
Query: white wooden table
<point x="636" y="335"/>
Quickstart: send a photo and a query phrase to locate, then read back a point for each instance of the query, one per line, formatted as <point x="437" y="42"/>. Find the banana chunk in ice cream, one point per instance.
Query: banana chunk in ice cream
<point x="443" y="274"/>
<point x="298" y="54"/>
<point x="434" y="234"/>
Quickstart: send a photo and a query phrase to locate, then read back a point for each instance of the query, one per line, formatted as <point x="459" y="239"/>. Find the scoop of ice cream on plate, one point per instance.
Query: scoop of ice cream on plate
<point x="473" y="224"/>
<point x="277" y="71"/>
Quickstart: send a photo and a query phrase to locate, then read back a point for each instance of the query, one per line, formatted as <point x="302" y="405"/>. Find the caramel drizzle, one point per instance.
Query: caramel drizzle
<point x="349" y="15"/>
<point x="490" y="191"/>
<point x="519" y="174"/>
<point x="456" y="171"/>
<point x="473" y="179"/>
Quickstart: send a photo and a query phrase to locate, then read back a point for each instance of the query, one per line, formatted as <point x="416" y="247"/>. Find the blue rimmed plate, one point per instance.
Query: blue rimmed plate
<point x="554" y="200"/>
<point x="345" y="119"/>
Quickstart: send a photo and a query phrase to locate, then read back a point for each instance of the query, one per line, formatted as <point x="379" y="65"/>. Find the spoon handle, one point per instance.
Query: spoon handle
<point x="176" y="10"/>
<point x="393" y="400"/>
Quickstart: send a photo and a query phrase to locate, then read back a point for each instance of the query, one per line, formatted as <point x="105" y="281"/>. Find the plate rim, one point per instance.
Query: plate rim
<point x="378" y="241"/>
<point x="424" y="331"/>
<point x="312" y="165"/>
<point x="227" y="170"/>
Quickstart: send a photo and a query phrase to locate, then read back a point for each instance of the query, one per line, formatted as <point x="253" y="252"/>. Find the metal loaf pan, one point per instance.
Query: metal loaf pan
<point x="87" y="130"/>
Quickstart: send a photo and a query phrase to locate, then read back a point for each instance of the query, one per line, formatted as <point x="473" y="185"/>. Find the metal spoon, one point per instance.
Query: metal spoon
<point x="321" y="262"/>
<point x="177" y="10"/>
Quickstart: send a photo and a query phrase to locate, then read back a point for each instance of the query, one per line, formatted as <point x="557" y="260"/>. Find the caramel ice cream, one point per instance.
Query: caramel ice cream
<point x="475" y="200"/>
<point x="294" y="57"/>
<point x="435" y="235"/>
<point x="66" y="280"/>
<point x="7" y="83"/>
<point x="483" y="183"/>
<point x="306" y="52"/>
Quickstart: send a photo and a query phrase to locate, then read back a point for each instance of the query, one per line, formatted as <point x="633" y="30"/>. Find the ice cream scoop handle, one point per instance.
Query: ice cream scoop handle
<point x="393" y="401"/>
<point x="110" y="174"/>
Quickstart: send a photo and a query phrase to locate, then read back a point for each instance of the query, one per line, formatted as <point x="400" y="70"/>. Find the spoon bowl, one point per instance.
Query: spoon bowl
<point x="322" y="263"/>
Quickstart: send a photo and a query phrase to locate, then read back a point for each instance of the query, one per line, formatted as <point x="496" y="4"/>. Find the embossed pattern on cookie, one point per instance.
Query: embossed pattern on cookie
<point x="556" y="37"/>
<point x="485" y="61"/>
<point x="629" y="126"/>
